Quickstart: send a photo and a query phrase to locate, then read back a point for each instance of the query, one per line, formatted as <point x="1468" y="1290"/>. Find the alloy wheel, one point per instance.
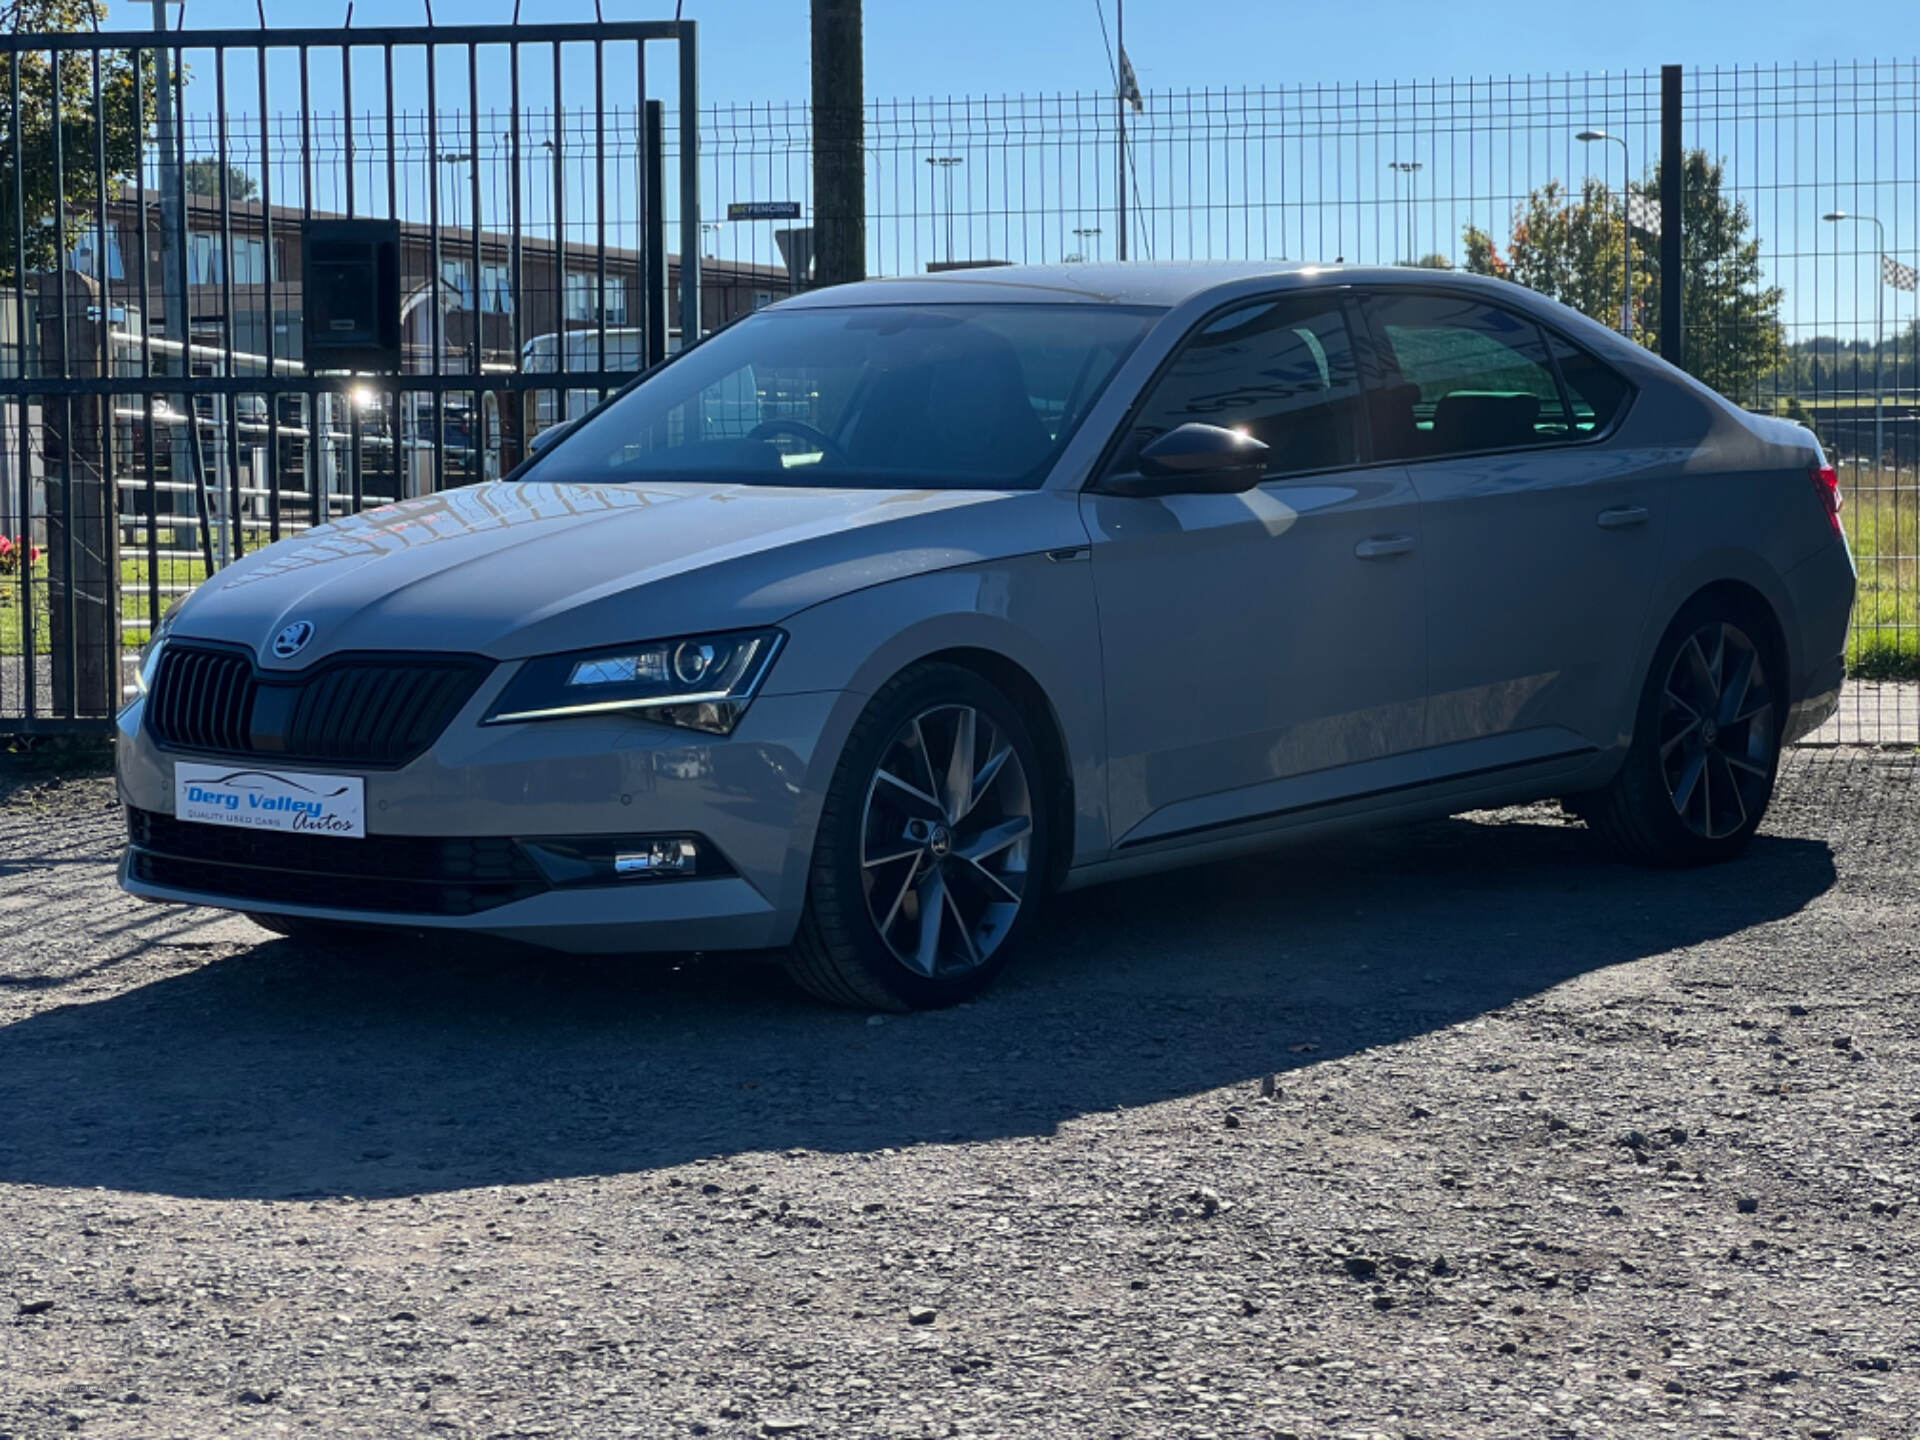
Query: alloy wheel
<point x="1717" y="731"/>
<point x="946" y="841"/>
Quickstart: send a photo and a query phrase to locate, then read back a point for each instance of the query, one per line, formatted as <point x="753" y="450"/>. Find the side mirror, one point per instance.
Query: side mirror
<point x="547" y="437"/>
<point x="1194" y="459"/>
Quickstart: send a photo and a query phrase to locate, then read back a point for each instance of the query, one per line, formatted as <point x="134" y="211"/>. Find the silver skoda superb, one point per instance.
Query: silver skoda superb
<point x="859" y="627"/>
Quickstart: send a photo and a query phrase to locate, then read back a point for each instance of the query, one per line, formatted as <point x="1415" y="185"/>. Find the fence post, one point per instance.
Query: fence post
<point x="83" y="600"/>
<point x="1672" y="191"/>
<point x="654" y="260"/>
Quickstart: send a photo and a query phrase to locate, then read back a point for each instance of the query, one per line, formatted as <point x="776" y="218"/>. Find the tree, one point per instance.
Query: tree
<point x="203" y="178"/>
<point x="1575" y="251"/>
<point x="1434" y="261"/>
<point x="1730" y="319"/>
<point x="28" y="173"/>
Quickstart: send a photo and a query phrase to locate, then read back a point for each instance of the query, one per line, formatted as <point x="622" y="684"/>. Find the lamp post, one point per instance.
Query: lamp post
<point x="1411" y="169"/>
<point x="453" y="160"/>
<point x="1879" y="302"/>
<point x="1587" y="137"/>
<point x="1084" y="233"/>
<point x="946" y="163"/>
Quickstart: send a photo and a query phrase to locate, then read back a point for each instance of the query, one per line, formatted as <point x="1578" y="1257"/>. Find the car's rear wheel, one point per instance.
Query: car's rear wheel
<point x="929" y="860"/>
<point x="1706" y="743"/>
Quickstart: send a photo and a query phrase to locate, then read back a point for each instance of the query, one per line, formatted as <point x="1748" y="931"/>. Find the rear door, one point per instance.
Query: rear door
<point x="1263" y="652"/>
<point x="1543" y="541"/>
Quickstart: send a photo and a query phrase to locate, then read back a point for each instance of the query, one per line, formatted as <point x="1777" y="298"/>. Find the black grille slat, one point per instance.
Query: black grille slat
<point x="389" y="709"/>
<point x="356" y="714"/>
<point x="364" y="709"/>
<point x="399" y="874"/>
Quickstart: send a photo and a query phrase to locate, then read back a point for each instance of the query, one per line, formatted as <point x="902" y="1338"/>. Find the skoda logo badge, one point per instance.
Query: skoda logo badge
<point x="292" y="640"/>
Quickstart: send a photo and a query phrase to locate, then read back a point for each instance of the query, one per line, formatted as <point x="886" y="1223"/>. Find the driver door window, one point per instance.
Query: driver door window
<point x="1281" y="371"/>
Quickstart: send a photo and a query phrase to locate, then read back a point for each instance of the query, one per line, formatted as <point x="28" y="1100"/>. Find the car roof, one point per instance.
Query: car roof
<point x="1147" y="283"/>
<point x="1168" y="285"/>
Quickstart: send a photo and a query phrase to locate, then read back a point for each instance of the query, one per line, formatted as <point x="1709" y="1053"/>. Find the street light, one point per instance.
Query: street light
<point x="1879" y="301"/>
<point x="452" y="160"/>
<point x="946" y="163"/>
<point x="1587" y="137"/>
<point x="1411" y="169"/>
<point x="1084" y="233"/>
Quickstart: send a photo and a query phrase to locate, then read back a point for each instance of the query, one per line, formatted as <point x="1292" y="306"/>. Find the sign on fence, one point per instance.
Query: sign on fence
<point x="763" y="210"/>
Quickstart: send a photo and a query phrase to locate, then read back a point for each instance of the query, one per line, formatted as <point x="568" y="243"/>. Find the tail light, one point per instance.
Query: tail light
<point x="1826" y="483"/>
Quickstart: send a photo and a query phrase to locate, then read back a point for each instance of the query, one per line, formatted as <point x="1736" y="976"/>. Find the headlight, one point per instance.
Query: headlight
<point x="150" y="655"/>
<point x="703" y="682"/>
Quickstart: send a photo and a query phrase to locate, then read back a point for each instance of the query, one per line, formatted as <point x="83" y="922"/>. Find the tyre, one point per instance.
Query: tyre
<point x="930" y="856"/>
<point x="1706" y="743"/>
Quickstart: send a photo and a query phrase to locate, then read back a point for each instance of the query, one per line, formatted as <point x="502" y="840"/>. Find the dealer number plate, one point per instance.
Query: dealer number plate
<point x="288" y="800"/>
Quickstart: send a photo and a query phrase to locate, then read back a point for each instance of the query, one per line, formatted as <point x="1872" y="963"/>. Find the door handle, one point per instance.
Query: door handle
<point x="1622" y="518"/>
<point x="1381" y="547"/>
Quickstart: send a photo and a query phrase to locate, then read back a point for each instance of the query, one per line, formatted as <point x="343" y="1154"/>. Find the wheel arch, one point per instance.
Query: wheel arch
<point x="1749" y="582"/>
<point x="1036" y="707"/>
<point x="1740" y="595"/>
<point x="1026" y="625"/>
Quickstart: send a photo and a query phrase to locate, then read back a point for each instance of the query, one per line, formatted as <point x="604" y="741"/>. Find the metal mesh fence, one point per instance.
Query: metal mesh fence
<point x="1801" y="196"/>
<point x="1549" y="180"/>
<point x="163" y="408"/>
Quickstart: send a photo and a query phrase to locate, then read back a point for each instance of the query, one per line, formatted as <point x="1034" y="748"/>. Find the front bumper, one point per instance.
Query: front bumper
<point x="753" y="795"/>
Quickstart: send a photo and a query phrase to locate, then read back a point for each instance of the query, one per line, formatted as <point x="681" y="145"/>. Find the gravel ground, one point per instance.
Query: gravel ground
<point x="1461" y="1131"/>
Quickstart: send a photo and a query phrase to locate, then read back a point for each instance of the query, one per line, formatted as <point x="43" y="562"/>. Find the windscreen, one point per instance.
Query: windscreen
<point x="869" y="397"/>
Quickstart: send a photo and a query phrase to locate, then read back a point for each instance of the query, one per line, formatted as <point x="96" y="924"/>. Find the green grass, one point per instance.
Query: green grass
<point x="133" y="580"/>
<point x="1882" y="519"/>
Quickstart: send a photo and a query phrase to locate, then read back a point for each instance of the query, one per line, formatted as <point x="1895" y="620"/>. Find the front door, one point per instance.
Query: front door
<point x="1264" y="652"/>
<point x="1543" y="541"/>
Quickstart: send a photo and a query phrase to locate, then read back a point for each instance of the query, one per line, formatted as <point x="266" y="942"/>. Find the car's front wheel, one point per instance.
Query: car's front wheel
<point x="929" y="860"/>
<point x="1706" y="743"/>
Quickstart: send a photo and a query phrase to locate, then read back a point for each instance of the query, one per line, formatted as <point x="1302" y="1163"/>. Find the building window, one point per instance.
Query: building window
<point x="456" y="284"/>
<point x="762" y="299"/>
<point x="205" y="260"/>
<point x="581" y="291"/>
<point x="496" y="289"/>
<point x="86" y="260"/>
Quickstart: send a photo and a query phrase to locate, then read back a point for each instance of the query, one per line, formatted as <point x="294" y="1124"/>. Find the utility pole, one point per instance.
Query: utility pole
<point x="839" y="144"/>
<point x="1120" y="112"/>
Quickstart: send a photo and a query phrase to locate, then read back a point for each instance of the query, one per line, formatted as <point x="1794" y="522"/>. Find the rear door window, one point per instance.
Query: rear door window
<point x="1459" y="377"/>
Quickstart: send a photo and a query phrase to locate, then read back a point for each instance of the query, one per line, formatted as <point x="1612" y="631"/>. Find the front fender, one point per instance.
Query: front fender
<point x="1033" y="611"/>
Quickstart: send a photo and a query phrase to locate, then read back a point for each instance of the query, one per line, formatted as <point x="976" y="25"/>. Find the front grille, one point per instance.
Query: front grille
<point x="364" y="709"/>
<point x="202" y="699"/>
<point x="397" y="874"/>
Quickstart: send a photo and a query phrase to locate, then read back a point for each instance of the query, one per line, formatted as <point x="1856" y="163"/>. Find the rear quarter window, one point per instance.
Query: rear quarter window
<point x="1597" y="394"/>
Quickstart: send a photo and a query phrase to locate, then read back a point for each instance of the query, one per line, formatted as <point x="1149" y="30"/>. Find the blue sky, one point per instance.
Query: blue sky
<point x="757" y="49"/>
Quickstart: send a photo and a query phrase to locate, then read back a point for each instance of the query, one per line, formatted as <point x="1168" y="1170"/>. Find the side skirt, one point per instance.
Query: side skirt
<point x="1510" y="784"/>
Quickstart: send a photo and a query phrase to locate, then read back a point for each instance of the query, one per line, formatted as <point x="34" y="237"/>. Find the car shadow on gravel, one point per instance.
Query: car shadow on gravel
<point x="293" y="1070"/>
